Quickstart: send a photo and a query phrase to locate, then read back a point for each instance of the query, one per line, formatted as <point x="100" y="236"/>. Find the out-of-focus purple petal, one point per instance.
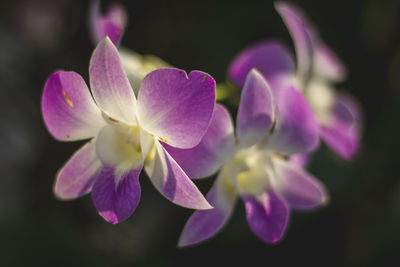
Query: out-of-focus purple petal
<point x="300" y="189"/>
<point x="271" y="58"/>
<point x="117" y="13"/>
<point x="204" y="224"/>
<point x="78" y="175"/>
<point x="327" y="65"/>
<point x="109" y="84"/>
<point x="175" y="107"/>
<point x="300" y="160"/>
<point x="342" y="138"/>
<point x="106" y="27"/>
<point x="302" y="34"/>
<point x="214" y="149"/>
<point x="172" y="182"/>
<point x="343" y="132"/>
<point x="267" y="216"/>
<point x="296" y="130"/>
<point x="116" y="196"/>
<point x="348" y="110"/>
<point x="256" y="110"/>
<point x="112" y="24"/>
<point x="68" y="109"/>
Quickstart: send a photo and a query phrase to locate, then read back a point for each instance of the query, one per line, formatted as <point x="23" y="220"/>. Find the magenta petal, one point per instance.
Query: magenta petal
<point x="343" y="139"/>
<point x="256" y="110"/>
<point x="214" y="149"/>
<point x="343" y="133"/>
<point x="78" y="175"/>
<point x="299" y="188"/>
<point x="271" y="58"/>
<point x="111" y="24"/>
<point x="68" y="109"/>
<point x="175" y="107"/>
<point x="302" y="35"/>
<point x="105" y="27"/>
<point x="109" y="84"/>
<point x="296" y="129"/>
<point x="204" y="224"/>
<point x="118" y="14"/>
<point x="348" y="110"/>
<point x="300" y="160"/>
<point x="116" y="201"/>
<point x="327" y="65"/>
<point x="267" y="216"/>
<point x="171" y="181"/>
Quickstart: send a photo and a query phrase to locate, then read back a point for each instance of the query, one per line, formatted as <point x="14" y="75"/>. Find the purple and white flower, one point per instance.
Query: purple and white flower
<point x="127" y="134"/>
<point x="337" y="113"/>
<point x="271" y="125"/>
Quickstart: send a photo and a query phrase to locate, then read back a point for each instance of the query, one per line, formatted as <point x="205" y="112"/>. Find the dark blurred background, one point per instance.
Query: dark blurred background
<point x="360" y="227"/>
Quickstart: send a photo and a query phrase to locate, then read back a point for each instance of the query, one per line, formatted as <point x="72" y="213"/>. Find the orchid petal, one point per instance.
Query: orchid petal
<point x="296" y="129"/>
<point x="204" y="224"/>
<point x="116" y="196"/>
<point x="212" y="152"/>
<point x="327" y="65"/>
<point x="343" y="132"/>
<point x="68" y="109"/>
<point x="343" y="139"/>
<point x="118" y="14"/>
<point x="300" y="189"/>
<point x="175" y="107"/>
<point x="271" y="58"/>
<point x="256" y="110"/>
<point x="348" y="110"/>
<point x="109" y="84"/>
<point x="267" y="216"/>
<point x="77" y="176"/>
<point x="300" y="160"/>
<point x="171" y="181"/>
<point x="302" y="35"/>
<point x="111" y="24"/>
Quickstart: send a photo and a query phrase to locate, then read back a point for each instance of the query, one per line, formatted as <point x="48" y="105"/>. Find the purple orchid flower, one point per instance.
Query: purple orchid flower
<point x="255" y="168"/>
<point x="338" y="114"/>
<point x="111" y="24"/>
<point x="126" y="134"/>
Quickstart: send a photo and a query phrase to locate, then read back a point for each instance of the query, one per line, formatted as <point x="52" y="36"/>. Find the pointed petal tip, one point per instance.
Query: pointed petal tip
<point x="185" y="242"/>
<point x="203" y="205"/>
<point x="279" y="5"/>
<point x="206" y="206"/>
<point x="110" y="217"/>
<point x="255" y="73"/>
<point x="325" y="200"/>
<point x="106" y="41"/>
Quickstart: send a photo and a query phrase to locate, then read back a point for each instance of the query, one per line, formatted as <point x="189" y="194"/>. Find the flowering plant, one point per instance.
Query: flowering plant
<point x="142" y="113"/>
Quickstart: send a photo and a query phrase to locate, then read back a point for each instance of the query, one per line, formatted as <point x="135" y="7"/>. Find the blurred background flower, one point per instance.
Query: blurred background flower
<point x="360" y="227"/>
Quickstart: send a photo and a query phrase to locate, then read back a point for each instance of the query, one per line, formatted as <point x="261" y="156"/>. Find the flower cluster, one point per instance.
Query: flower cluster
<point x="140" y="113"/>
